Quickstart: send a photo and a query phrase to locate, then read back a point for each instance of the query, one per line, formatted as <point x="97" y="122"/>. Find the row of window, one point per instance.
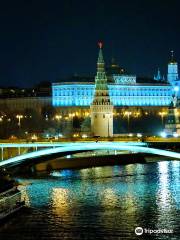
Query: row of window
<point x="114" y="88"/>
<point x="115" y="92"/>
<point x="141" y="102"/>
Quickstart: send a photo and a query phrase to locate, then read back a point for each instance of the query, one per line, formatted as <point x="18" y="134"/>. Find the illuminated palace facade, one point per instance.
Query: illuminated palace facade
<point x="121" y="94"/>
<point x="124" y="90"/>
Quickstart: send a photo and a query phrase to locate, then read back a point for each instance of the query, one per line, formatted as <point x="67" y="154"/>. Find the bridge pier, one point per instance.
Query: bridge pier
<point x="35" y="148"/>
<point x="2" y="153"/>
<point x="19" y="151"/>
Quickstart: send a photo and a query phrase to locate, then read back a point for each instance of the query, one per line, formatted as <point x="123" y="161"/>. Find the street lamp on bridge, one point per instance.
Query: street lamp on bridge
<point x="162" y="114"/>
<point x="19" y="117"/>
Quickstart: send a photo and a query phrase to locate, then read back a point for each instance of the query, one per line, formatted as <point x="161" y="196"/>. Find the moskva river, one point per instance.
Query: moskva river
<point x="100" y="203"/>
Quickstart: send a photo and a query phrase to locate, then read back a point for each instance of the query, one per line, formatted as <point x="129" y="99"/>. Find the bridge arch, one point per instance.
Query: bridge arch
<point x="82" y="147"/>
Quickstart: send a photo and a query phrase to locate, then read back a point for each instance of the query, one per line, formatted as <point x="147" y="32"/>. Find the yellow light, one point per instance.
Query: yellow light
<point x="34" y="137"/>
<point x="84" y="136"/>
<point x="19" y="116"/>
<point x="127" y="113"/>
<point x="58" y="117"/>
<point x="162" y="113"/>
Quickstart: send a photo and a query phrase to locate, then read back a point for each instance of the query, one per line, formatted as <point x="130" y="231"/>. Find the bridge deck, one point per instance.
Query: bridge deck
<point x="81" y="147"/>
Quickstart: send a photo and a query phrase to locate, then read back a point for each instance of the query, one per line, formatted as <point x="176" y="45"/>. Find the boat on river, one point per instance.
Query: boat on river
<point x="10" y="195"/>
<point x="10" y="202"/>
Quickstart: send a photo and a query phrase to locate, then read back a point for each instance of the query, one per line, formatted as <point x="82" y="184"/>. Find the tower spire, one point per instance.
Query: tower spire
<point x="101" y="88"/>
<point x="158" y="76"/>
<point x="172" y="54"/>
<point x="172" y="57"/>
<point x="100" y="62"/>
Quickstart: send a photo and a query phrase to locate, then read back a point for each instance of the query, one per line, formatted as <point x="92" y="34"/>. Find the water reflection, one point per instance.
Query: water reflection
<point x="175" y="188"/>
<point x="101" y="203"/>
<point x="109" y="198"/>
<point x="60" y="202"/>
<point x="166" y="206"/>
<point x="163" y="193"/>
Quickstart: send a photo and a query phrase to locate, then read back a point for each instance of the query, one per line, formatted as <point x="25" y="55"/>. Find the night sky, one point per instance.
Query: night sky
<point x="50" y="40"/>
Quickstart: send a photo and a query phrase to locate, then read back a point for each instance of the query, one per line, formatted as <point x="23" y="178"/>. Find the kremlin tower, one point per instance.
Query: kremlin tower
<point x="172" y="75"/>
<point x="101" y="108"/>
<point x="172" y="125"/>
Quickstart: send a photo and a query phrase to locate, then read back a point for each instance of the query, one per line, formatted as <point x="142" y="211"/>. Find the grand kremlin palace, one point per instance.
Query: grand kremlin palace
<point x="121" y="94"/>
<point x="125" y="90"/>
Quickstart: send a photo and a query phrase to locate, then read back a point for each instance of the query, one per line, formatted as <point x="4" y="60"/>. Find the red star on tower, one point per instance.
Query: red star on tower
<point x="100" y="44"/>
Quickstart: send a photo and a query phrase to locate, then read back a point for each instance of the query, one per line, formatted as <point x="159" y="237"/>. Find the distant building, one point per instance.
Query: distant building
<point x="19" y="99"/>
<point x="22" y="103"/>
<point x="159" y="77"/>
<point x="118" y="75"/>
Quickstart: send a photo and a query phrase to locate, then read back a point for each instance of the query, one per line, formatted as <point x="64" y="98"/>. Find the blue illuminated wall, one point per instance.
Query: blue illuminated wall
<point x="81" y="94"/>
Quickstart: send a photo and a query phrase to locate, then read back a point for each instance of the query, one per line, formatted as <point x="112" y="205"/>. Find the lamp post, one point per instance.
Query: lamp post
<point x="19" y="117"/>
<point x="108" y="125"/>
<point x="128" y="114"/>
<point x="58" y="118"/>
<point x="162" y="114"/>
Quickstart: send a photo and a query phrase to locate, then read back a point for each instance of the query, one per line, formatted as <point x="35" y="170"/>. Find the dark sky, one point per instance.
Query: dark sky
<point x="50" y="40"/>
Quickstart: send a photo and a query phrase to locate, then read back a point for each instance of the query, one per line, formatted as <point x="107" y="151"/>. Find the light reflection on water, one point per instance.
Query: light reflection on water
<point x="100" y="203"/>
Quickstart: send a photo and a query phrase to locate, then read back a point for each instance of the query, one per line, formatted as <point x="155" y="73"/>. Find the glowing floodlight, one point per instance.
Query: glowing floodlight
<point x="176" y="88"/>
<point x="130" y="135"/>
<point x="175" y="134"/>
<point x="84" y="136"/>
<point x="163" y="134"/>
<point x="139" y="135"/>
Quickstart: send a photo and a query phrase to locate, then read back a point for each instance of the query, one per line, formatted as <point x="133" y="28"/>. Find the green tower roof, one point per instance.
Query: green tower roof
<point x="100" y="57"/>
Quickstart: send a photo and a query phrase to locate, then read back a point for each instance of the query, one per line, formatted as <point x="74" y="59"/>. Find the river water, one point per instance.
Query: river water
<point x="100" y="203"/>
